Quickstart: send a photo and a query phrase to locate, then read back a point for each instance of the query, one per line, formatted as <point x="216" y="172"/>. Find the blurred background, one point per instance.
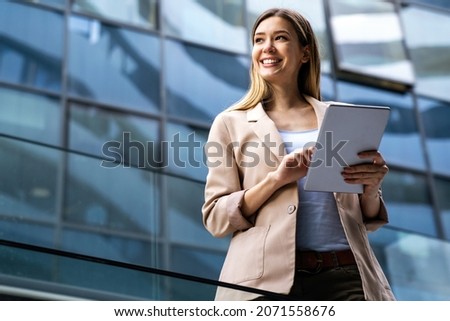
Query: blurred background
<point x="105" y="106"/>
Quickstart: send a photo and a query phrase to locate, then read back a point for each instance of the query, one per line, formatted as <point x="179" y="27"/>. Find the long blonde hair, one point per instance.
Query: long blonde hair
<point x="308" y="79"/>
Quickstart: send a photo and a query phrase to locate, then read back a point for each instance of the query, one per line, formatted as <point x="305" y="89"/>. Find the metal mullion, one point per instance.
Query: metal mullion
<point x="332" y="53"/>
<point x="205" y="46"/>
<point x="117" y="23"/>
<point x="162" y="180"/>
<point x="64" y="114"/>
<point x="189" y="121"/>
<point x="115" y="108"/>
<point x="429" y="174"/>
<point x="39" y="5"/>
<point x="29" y="89"/>
<point x="105" y="230"/>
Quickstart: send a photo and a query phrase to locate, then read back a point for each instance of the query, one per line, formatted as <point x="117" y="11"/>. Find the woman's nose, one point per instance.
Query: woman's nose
<point x="268" y="47"/>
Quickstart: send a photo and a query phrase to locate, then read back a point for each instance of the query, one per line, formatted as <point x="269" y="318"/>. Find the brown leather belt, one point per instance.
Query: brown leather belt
<point x="313" y="261"/>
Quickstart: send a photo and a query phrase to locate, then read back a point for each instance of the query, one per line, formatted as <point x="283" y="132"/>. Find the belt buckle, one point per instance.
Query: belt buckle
<point x="336" y="262"/>
<point x="319" y="264"/>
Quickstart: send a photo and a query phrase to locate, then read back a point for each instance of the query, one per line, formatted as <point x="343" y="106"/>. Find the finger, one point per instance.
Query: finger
<point x="302" y="156"/>
<point x="379" y="161"/>
<point x="308" y="155"/>
<point x="366" y="168"/>
<point x="368" y="153"/>
<point x="375" y="156"/>
<point x="363" y="175"/>
<point x="291" y="162"/>
<point x="376" y="176"/>
<point x="368" y="181"/>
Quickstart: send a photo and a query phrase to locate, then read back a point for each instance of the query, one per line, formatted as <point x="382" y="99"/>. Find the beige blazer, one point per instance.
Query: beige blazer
<point x="243" y="146"/>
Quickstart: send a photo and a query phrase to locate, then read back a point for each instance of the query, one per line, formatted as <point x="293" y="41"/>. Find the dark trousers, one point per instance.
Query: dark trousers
<point x="342" y="283"/>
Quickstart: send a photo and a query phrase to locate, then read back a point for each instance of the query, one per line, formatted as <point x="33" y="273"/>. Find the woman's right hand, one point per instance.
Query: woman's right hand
<point x="293" y="166"/>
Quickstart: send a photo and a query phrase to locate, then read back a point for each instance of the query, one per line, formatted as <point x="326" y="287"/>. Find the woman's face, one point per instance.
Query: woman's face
<point x="277" y="54"/>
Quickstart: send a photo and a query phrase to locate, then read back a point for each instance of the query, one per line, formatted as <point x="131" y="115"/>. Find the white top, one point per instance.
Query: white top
<point x="318" y="224"/>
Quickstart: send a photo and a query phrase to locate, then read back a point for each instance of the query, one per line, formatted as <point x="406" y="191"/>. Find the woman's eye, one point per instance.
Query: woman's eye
<point x="258" y="40"/>
<point x="280" y="38"/>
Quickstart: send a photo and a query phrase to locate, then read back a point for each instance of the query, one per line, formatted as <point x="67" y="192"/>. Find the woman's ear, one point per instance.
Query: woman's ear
<point x="306" y="54"/>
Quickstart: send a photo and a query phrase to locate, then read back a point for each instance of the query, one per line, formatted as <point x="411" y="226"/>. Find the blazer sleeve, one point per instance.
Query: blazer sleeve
<point x="224" y="194"/>
<point x="373" y="224"/>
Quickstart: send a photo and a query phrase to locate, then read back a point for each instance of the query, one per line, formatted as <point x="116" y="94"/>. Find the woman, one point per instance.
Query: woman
<point x="309" y="245"/>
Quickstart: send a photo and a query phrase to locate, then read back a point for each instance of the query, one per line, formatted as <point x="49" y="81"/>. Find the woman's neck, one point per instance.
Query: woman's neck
<point x="290" y="111"/>
<point x="284" y="99"/>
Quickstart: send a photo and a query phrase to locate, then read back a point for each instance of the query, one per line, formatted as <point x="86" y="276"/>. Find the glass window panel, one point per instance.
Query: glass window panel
<point x="107" y="279"/>
<point x="115" y="136"/>
<point x="23" y="229"/>
<point x="30" y="116"/>
<point x="185" y="150"/>
<point x="31" y="45"/>
<point x="429" y="47"/>
<point x="443" y="199"/>
<point x="117" y="199"/>
<point x="192" y="291"/>
<point x="113" y="65"/>
<point x="311" y="10"/>
<point x="29" y="184"/>
<point x="202" y="83"/>
<point x="55" y="3"/>
<point x="408" y="202"/>
<point x="416" y="266"/>
<point x="327" y="88"/>
<point x="197" y="262"/>
<point x="142" y="13"/>
<point x="369" y="40"/>
<point x="112" y="247"/>
<point x="437" y="3"/>
<point x="436" y="119"/>
<point x="32" y="263"/>
<point x="185" y="216"/>
<point x="401" y="143"/>
<point x="216" y="23"/>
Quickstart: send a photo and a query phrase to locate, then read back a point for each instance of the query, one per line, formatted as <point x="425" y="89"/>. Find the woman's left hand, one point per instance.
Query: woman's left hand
<point x="369" y="174"/>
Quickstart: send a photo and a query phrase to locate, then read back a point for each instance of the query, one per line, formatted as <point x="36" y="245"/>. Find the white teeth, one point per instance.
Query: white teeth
<point x="269" y="61"/>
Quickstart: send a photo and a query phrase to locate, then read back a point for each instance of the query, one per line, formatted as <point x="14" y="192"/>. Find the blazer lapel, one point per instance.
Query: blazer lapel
<point x="319" y="108"/>
<point x="266" y="131"/>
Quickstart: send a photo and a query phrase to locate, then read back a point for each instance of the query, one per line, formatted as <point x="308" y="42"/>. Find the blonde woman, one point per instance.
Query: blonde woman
<point x="308" y="245"/>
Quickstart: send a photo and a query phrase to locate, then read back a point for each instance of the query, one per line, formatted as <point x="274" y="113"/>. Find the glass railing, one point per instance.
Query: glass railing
<point x="30" y="272"/>
<point x="72" y="228"/>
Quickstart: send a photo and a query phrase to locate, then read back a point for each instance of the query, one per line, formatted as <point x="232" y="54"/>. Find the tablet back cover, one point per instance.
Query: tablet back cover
<point x="346" y="130"/>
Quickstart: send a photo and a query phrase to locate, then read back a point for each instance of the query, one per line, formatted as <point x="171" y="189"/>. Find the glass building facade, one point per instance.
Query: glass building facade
<point x="105" y="106"/>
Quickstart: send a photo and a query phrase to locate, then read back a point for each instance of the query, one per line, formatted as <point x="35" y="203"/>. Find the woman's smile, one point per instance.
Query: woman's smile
<point x="269" y="62"/>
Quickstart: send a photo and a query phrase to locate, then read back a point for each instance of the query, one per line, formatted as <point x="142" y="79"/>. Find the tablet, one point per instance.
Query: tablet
<point x="346" y="130"/>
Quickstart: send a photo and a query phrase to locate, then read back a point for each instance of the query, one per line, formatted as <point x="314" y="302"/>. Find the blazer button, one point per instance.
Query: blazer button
<point x="291" y="209"/>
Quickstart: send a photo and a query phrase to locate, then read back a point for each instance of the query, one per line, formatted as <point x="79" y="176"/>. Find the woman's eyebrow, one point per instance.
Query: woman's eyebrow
<point x="275" y="32"/>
